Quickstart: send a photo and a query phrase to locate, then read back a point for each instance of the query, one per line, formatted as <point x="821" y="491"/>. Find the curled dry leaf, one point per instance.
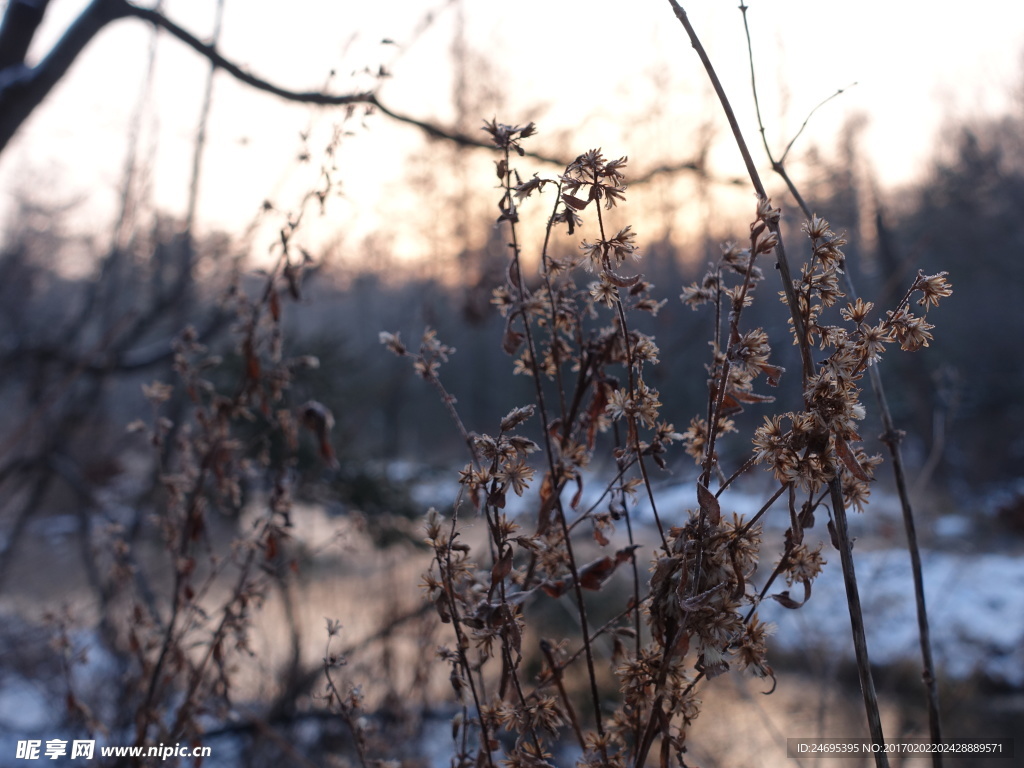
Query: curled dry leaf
<point x="709" y="504"/>
<point x="784" y="599"/>
<point x="850" y="461"/>
<point x="318" y="419"/>
<point x="619" y="280"/>
<point x="574" y="202"/>
<point x="502" y="568"/>
<point x="512" y="339"/>
<point x="593" y="575"/>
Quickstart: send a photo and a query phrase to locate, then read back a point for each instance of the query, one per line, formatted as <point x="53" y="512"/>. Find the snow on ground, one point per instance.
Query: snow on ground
<point x="975" y="600"/>
<point x="975" y="609"/>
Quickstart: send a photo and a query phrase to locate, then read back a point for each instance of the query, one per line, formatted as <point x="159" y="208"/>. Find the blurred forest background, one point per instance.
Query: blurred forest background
<point x="89" y="319"/>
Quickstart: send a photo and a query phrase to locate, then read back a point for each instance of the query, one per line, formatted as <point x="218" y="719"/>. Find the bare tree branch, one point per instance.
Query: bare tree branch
<point x="18" y="29"/>
<point x="368" y="98"/>
<point x="22" y="89"/>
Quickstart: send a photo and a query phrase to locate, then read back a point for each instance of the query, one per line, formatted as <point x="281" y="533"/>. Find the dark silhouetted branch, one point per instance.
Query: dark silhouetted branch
<point x="18" y="29"/>
<point x="22" y="89"/>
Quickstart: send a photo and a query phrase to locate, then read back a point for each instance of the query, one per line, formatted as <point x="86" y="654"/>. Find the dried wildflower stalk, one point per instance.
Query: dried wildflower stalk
<point x="184" y="637"/>
<point x="891" y="436"/>
<point x="694" y="616"/>
<point x="187" y="655"/>
<point x="912" y="332"/>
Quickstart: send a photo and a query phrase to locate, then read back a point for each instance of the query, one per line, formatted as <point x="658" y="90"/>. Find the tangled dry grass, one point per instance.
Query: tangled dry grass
<point x="690" y="612"/>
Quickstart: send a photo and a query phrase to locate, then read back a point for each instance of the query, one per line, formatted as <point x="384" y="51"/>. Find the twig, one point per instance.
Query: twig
<point x="755" y="180"/>
<point x="853" y="599"/>
<point x="891" y="436"/>
<point x="867" y="683"/>
<point x="549" y="451"/>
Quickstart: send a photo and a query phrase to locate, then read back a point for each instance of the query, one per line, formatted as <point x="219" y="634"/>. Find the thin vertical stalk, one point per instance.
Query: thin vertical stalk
<point x="549" y="451"/>
<point x="860" y="646"/>
<point x="755" y="180"/>
<point x="839" y="511"/>
<point x="890" y="436"/>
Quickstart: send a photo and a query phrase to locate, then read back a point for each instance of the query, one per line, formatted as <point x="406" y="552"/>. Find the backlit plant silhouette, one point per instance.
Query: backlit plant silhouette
<point x="690" y="610"/>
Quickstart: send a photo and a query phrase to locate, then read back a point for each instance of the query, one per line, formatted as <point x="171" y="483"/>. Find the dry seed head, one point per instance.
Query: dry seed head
<point x="803" y="564"/>
<point x="857" y="312"/>
<point x="516" y="417"/>
<point x="603" y="292"/>
<point x="392" y="342"/>
<point x="913" y="332"/>
<point x="765" y="212"/>
<point x="816" y="228"/>
<point x="517" y="475"/>
<point x="932" y="288"/>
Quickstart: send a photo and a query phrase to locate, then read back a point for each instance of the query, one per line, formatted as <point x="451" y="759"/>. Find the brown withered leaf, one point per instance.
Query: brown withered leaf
<point x="512" y="339"/>
<point x="441" y="603"/>
<point x="709" y="504"/>
<point x="750" y="397"/>
<point x="547" y="503"/>
<point x="730" y="406"/>
<point x="682" y="645"/>
<point x="619" y="280"/>
<point x="773" y="373"/>
<point x="502" y="567"/>
<point x="593" y="575"/>
<point x="846" y="454"/>
<point x="599" y="536"/>
<point x="833" y="534"/>
<point x="574" y="202"/>
<point x="786" y="601"/>
<point x="555" y="588"/>
<point x="575" y="503"/>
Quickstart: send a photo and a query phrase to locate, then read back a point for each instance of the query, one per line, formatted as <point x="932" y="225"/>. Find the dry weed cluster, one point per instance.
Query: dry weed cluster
<point x="685" y="610"/>
<point x="655" y="602"/>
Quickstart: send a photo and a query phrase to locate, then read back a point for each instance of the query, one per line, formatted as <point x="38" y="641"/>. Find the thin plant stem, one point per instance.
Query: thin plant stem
<point x="867" y="683"/>
<point x="890" y="436"/>
<point x="549" y="450"/>
<point x="839" y="511"/>
<point x="556" y="674"/>
<point x="755" y="179"/>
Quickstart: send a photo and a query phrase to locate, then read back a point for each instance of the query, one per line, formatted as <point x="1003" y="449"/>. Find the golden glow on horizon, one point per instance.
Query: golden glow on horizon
<point x="589" y="73"/>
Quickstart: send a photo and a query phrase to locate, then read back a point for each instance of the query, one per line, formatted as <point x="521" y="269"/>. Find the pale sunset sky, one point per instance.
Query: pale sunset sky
<point x="605" y="73"/>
